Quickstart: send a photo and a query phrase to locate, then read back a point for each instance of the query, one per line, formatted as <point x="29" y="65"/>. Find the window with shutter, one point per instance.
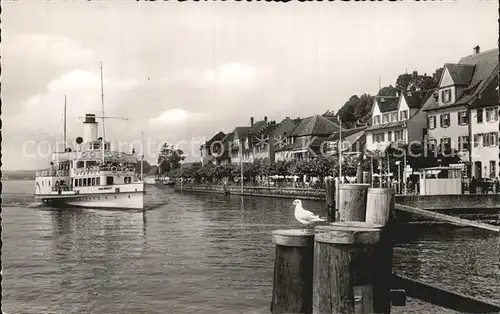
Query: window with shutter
<point x="462" y="117"/>
<point x="479" y="116"/>
<point x="441" y="121"/>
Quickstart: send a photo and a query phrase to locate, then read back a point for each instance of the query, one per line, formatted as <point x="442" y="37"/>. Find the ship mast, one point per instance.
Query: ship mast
<point x="64" y="131"/>
<point x="102" y="104"/>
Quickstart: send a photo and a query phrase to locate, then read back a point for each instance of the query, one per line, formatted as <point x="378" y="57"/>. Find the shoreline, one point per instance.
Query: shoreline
<point x="470" y="206"/>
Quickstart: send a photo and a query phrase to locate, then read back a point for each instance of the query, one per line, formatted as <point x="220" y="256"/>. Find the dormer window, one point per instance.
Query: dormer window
<point x="376" y="119"/>
<point x="403" y="115"/>
<point x="385" y="118"/>
<point x="446" y="96"/>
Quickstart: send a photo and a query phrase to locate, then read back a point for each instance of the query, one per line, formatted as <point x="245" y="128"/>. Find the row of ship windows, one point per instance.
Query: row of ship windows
<point x="87" y="181"/>
<point x="91" y="181"/>
<point x="89" y="198"/>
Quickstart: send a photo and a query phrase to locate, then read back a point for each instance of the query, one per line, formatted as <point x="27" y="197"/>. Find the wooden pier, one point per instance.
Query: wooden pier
<point x="345" y="267"/>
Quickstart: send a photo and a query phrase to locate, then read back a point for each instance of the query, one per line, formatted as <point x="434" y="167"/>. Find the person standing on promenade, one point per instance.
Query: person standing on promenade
<point x="496" y="185"/>
<point x="473" y="185"/>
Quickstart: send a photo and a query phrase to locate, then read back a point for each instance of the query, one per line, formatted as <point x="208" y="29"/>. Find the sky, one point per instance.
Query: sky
<point x="182" y="71"/>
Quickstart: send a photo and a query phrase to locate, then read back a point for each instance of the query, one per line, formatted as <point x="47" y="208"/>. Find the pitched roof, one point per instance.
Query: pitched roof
<point x="413" y="99"/>
<point x="486" y="67"/>
<point x="304" y="143"/>
<point x="387" y="103"/>
<point x="335" y="119"/>
<point x="315" y="125"/>
<point x="460" y="73"/>
<point x="228" y="137"/>
<point x="286" y="126"/>
<point x="242" y="131"/>
<point x="345" y="133"/>
<point x="485" y="70"/>
<point x="358" y="145"/>
<point x="257" y="127"/>
<point x="217" y="137"/>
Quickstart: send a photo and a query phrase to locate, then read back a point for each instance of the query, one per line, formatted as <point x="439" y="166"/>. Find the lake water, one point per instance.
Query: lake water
<point x="193" y="253"/>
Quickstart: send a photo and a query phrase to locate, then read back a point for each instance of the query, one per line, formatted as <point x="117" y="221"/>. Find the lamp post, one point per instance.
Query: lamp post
<point x="398" y="162"/>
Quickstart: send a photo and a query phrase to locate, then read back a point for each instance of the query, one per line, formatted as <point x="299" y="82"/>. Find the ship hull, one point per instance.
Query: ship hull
<point x="133" y="200"/>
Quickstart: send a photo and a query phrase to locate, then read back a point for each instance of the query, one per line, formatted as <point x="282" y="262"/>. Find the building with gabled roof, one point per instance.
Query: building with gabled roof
<point x="463" y="112"/>
<point x="225" y="156"/>
<point x="211" y="148"/>
<point x="240" y="146"/>
<point x="396" y="119"/>
<point x="282" y="141"/>
<point x="306" y="139"/>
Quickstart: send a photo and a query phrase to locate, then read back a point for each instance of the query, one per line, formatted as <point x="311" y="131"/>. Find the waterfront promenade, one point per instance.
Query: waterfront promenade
<point x="472" y="206"/>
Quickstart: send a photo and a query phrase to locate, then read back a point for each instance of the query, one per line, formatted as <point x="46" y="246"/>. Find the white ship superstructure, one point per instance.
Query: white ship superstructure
<point x="92" y="175"/>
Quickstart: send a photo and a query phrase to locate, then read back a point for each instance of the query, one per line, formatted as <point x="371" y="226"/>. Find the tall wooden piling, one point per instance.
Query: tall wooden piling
<point x="331" y="199"/>
<point x="352" y="201"/>
<point x="344" y="259"/>
<point x="380" y="205"/>
<point x="380" y="210"/>
<point x="293" y="271"/>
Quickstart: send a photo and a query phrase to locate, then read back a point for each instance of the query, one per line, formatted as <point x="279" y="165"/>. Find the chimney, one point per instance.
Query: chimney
<point x="251" y="121"/>
<point x="265" y="119"/>
<point x="477" y="49"/>
<point x="89" y="128"/>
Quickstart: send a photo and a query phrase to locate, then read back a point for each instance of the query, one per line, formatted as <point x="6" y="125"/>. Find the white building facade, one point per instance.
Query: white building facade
<point x="395" y="120"/>
<point x="463" y="112"/>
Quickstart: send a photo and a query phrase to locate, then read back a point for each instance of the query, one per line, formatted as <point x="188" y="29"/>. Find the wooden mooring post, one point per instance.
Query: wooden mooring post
<point x="344" y="259"/>
<point x="331" y="199"/>
<point x="352" y="201"/>
<point x="380" y="205"/>
<point x="293" y="271"/>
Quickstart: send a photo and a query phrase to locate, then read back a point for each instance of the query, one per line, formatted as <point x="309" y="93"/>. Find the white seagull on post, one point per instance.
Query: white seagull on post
<point x="305" y="217"/>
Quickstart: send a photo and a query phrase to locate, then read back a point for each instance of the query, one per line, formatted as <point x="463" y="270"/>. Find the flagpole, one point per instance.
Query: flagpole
<point x="340" y="149"/>
<point x="371" y="167"/>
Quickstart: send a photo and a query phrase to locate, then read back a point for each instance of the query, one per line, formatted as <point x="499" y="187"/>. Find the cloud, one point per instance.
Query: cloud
<point x="58" y="50"/>
<point x="232" y="75"/>
<point x="83" y="95"/>
<point x="177" y="116"/>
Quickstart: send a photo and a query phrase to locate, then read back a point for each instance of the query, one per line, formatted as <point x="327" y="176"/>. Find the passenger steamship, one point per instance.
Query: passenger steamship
<point x="91" y="176"/>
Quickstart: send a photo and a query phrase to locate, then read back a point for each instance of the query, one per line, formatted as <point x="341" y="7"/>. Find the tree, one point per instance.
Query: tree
<point x="347" y="112"/>
<point x="169" y="158"/>
<point x="403" y="81"/>
<point x="387" y="91"/>
<point x="364" y="106"/>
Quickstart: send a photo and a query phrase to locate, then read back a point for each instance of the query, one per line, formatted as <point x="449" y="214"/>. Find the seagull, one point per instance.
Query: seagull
<point x="305" y="217"/>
